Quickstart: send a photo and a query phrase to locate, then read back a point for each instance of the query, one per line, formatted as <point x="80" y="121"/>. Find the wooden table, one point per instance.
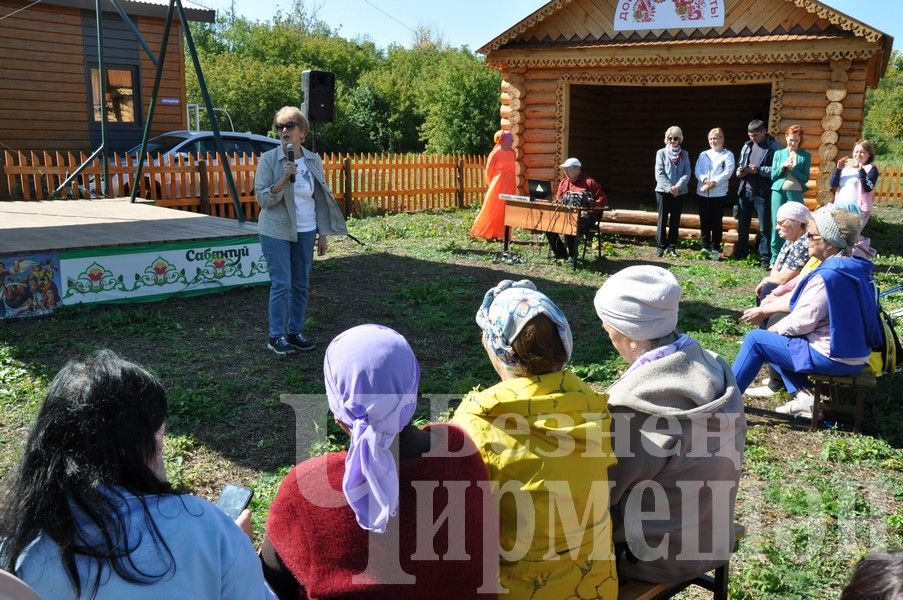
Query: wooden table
<point x="550" y="217"/>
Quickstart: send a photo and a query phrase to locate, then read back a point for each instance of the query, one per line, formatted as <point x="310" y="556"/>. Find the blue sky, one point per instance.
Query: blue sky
<point x="475" y="22"/>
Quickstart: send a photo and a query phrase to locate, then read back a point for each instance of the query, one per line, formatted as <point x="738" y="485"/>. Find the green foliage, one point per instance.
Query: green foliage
<point x="883" y="123"/>
<point x="456" y="119"/>
<point x="427" y="96"/>
<point x="855" y="449"/>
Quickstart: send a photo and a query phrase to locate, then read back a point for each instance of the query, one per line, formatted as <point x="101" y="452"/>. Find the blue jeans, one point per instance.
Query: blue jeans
<point x="289" y="264"/>
<point x="747" y="206"/>
<point x="792" y="358"/>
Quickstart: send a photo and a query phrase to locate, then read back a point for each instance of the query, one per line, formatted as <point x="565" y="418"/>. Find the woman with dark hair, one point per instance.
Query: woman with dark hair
<point x="878" y="576"/>
<point x="789" y="177"/>
<point x="89" y="513"/>
<point x="543" y="434"/>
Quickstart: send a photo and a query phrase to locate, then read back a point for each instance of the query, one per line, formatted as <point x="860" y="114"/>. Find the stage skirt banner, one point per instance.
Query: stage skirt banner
<point x="632" y="15"/>
<point x="29" y="284"/>
<point x="154" y="271"/>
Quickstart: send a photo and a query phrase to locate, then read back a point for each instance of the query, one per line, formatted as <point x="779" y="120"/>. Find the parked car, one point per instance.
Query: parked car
<point x="183" y="143"/>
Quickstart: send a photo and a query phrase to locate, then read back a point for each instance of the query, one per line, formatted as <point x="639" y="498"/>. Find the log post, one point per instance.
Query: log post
<point x="204" y="185"/>
<point x="347" y="186"/>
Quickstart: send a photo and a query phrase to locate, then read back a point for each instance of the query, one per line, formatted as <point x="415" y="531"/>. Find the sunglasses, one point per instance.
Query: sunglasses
<point x="673" y="139"/>
<point x="290" y="125"/>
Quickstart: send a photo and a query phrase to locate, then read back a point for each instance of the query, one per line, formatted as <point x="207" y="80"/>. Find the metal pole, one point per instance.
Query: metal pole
<point x="153" y="102"/>
<point x="128" y="21"/>
<point x="214" y="122"/>
<point x="103" y="98"/>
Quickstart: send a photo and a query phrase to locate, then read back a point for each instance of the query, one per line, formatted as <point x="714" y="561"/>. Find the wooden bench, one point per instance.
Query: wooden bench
<point x="862" y="381"/>
<point x="632" y="589"/>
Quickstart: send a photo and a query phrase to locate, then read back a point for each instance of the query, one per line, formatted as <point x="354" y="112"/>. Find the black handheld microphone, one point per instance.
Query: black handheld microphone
<point x="290" y="148"/>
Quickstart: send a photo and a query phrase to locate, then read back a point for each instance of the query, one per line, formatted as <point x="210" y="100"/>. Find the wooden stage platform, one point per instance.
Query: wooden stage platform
<point x="36" y="226"/>
<point x="65" y="252"/>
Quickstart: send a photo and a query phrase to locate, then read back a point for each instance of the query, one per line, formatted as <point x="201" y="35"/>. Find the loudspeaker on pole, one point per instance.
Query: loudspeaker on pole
<point x="319" y="95"/>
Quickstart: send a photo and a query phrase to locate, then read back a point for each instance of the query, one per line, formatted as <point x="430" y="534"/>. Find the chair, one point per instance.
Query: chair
<point x="865" y="379"/>
<point x="632" y="589"/>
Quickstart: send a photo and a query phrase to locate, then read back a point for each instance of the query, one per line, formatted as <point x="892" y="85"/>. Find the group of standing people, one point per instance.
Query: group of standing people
<point x="769" y="177"/>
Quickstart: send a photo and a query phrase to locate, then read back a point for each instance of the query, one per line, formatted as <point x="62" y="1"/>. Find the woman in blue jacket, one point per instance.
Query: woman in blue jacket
<point x="672" y="174"/>
<point x="789" y="175"/>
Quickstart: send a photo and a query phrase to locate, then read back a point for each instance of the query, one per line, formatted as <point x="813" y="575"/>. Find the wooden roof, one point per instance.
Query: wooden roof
<point x="145" y="8"/>
<point x="564" y="24"/>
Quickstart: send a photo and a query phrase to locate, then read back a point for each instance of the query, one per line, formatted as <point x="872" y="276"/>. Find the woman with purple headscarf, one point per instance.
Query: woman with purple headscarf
<point x="345" y="524"/>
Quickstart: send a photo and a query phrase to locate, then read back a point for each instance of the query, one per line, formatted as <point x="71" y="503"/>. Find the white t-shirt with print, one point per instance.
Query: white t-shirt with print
<point x="305" y="211"/>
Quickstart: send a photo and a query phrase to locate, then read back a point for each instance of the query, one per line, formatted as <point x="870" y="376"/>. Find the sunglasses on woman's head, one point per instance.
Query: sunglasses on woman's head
<point x="290" y="125"/>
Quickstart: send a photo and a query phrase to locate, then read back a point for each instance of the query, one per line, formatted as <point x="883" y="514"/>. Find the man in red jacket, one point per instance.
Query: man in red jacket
<point x="575" y="184"/>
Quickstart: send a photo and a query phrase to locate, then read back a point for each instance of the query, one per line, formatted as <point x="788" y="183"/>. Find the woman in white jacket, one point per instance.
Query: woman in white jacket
<point x="713" y="172"/>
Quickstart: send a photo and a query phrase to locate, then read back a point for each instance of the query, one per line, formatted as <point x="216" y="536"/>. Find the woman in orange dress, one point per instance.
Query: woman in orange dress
<point x="490" y="223"/>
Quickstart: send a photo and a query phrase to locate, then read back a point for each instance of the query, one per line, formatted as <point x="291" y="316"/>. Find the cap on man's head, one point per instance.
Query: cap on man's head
<point x="570" y="163"/>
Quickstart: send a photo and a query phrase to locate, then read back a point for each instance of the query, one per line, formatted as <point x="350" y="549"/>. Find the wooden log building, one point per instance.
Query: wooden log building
<point x="49" y="80"/>
<point x="574" y="86"/>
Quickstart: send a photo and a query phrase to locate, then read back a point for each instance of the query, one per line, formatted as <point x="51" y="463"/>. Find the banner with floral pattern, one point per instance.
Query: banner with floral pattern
<point x="140" y="273"/>
<point x="632" y="15"/>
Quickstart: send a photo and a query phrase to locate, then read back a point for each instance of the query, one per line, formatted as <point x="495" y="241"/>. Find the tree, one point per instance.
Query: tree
<point x="883" y="123"/>
<point x="460" y="106"/>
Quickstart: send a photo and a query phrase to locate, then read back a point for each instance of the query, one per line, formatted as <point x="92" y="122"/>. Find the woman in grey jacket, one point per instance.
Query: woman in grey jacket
<point x="679" y="431"/>
<point x="672" y="174"/>
<point x="296" y="211"/>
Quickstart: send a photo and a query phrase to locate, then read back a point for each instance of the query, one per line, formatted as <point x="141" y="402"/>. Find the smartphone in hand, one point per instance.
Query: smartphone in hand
<point x="234" y="499"/>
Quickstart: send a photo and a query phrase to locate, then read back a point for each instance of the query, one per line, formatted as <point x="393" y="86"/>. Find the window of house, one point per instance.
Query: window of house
<point x="119" y="96"/>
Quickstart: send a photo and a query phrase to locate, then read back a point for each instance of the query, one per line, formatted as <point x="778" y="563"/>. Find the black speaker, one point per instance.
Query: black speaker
<point x="319" y="95"/>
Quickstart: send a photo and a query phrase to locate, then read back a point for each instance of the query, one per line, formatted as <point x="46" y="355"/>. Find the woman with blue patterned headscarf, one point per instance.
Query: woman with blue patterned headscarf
<point x="543" y="434"/>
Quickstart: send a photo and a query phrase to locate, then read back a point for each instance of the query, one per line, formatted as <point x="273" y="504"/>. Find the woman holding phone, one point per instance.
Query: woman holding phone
<point x="89" y="512"/>
<point x="855" y="178"/>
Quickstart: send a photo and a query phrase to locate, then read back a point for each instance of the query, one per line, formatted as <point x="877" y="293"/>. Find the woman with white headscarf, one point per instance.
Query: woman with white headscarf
<point x="344" y="514"/>
<point x="833" y="321"/>
<point x="543" y="435"/>
<point x="679" y="429"/>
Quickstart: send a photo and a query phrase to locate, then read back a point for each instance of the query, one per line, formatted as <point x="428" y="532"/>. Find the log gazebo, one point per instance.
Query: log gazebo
<point x="574" y="86"/>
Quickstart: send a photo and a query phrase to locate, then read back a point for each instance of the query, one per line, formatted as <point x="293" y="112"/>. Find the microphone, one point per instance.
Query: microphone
<point x="290" y="148"/>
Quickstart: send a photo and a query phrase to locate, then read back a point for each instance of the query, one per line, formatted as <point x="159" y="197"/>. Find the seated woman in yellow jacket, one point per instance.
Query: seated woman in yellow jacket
<point x="543" y="434"/>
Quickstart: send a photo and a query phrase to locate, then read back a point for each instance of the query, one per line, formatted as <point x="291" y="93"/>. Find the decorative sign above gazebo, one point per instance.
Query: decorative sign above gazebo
<point x="633" y="15"/>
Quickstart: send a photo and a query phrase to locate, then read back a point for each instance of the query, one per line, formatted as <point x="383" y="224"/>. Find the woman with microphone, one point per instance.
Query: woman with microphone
<point x="297" y="210"/>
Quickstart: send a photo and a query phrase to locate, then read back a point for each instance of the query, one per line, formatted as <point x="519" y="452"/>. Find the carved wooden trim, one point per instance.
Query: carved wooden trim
<point x="524" y="25"/>
<point x="624" y="59"/>
<point x="832" y="16"/>
<point x="776" y="78"/>
<point x="811" y="6"/>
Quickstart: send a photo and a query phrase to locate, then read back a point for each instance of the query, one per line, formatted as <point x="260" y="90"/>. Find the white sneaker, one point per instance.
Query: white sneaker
<point x="801" y="405"/>
<point x="714" y="255"/>
<point x="762" y="391"/>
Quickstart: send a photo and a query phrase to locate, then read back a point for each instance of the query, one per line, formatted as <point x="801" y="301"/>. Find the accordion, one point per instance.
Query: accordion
<point x="577" y="199"/>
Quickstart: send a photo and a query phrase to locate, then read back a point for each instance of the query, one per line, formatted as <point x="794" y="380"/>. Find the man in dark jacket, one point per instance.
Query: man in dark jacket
<point x="754" y="193"/>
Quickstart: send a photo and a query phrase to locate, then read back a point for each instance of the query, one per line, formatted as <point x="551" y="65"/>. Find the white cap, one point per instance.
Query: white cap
<point x="640" y="301"/>
<point x="571" y="162"/>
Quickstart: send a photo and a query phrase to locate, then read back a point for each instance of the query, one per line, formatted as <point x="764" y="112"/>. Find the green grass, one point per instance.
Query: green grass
<point x="812" y="502"/>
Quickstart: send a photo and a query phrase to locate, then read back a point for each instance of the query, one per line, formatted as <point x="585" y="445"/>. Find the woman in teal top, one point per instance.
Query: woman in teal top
<point x="789" y="175"/>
